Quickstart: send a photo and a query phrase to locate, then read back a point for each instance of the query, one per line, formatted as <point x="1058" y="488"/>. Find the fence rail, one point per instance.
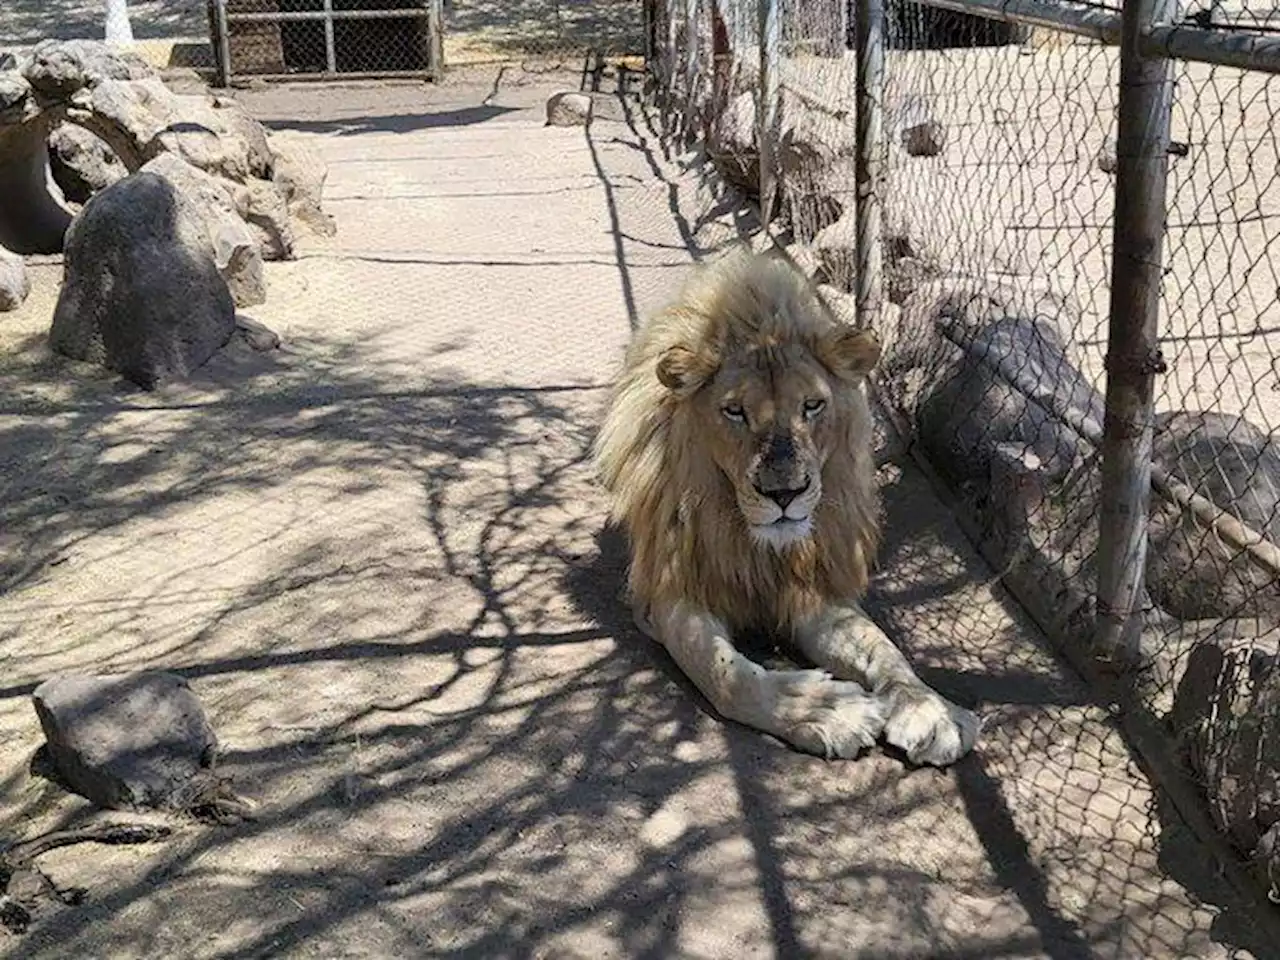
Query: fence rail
<point x="1060" y="216"/>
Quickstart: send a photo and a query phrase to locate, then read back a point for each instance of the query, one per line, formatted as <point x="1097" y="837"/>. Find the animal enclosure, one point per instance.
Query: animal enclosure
<point x="950" y="173"/>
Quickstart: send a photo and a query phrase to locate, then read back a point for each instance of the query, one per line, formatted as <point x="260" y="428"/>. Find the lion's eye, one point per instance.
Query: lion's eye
<point x="813" y="407"/>
<point x="734" y="412"/>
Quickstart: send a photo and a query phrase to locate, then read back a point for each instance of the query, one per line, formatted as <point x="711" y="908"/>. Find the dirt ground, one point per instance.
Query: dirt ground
<point x="380" y="558"/>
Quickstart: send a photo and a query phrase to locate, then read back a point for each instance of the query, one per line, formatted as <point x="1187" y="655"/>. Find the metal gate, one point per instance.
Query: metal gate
<point x="315" y="39"/>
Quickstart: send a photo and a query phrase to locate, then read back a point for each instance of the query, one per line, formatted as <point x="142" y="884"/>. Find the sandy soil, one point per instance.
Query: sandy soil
<point x="380" y="558"/>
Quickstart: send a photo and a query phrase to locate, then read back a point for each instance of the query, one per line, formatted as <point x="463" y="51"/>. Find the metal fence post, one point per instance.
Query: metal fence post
<point x="869" y="27"/>
<point x="1133" y="351"/>
<point x="767" y="108"/>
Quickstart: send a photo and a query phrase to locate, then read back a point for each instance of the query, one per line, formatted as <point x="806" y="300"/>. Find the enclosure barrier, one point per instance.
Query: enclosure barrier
<point x="317" y="39"/>
<point x="1059" y="216"/>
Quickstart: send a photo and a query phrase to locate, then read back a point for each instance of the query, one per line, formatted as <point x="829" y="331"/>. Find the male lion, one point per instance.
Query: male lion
<point x="737" y="448"/>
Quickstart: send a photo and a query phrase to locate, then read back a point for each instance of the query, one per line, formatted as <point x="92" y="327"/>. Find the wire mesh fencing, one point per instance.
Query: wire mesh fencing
<point x="953" y="180"/>
<point x="306" y="38"/>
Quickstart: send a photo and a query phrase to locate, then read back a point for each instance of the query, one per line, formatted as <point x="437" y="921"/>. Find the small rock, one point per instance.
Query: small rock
<point x="141" y="293"/>
<point x="258" y="336"/>
<point x="836" y="247"/>
<point x="1106" y="158"/>
<point x="125" y="741"/>
<point x="15" y="284"/>
<point x="569" y="109"/>
<point x="82" y="163"/>
<point x="924" y="139"/>
<point x="300" y="174"/>
<point x="268" y="220"/>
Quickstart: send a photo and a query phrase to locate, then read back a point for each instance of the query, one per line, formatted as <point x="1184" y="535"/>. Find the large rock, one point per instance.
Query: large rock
<point x="32" y="219"/>
<point x="122" y="116"/>
<point x="15" y="284"/>
<point x="125" y="741"/>
<point x="82" y="164"/>
<point x="142" y="294"/>
<point x="1193" y="572"/>
<point x="1226" y="713"/>
<point x="222" y="209"/>
<point x="991" y="367"/>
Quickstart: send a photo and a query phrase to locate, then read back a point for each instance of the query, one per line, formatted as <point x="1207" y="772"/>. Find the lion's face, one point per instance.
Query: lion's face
<point x="770" y="417"/>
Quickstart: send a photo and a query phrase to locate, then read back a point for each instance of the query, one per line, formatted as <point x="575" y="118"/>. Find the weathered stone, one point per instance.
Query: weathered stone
<point x="300" y="175"/>
<point x="258" y="336"/>
<point x="32" y="219"/>
<point x="994" y="369"/>
<point x="82" y="163"/>
<point x="1192" y="571"/>
<point x="1106" y="157"/>
<point x="268" y="220"/>
<point x="125" y="741"/>
<point x="15" y="284"/>
<point x="221" y="208"/>
<point x="58" y="68"/>
<point x="836" y="247"/>
<point x="569" y="109"/>
<point x="1226" y="713"/>
<point x="924" y="139"/>
<point x="142" y="295"/>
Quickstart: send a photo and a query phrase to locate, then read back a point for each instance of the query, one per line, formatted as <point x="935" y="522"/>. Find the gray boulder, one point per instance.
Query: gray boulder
<point x="569" y="109"/>
<point x="15" y="284"/>
<point x="126" y="741"/>
<point x="142" y="294"/>
<point x="1226" y="715"/>
<point x="82" y="164"/>
<point x="1192" y="572"/>
<point x="222" y="209"/>
<point x="993" y="368"/>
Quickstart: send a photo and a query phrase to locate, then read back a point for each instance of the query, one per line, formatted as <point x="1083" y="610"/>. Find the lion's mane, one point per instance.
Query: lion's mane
<point x="688" y="540"/>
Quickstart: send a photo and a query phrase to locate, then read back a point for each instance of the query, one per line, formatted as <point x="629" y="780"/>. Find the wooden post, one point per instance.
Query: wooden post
<point x="869" y="26"/>
<point x="1133" y="351"/>
<point x="767" y="107"/>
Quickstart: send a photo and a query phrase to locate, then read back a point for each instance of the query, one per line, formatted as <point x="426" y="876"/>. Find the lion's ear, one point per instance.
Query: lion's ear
<point x="852" y="352"/>
<point x="682" y="371"/>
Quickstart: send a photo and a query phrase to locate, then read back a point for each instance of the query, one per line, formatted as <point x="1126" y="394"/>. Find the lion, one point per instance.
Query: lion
<point x="736" y="448"/>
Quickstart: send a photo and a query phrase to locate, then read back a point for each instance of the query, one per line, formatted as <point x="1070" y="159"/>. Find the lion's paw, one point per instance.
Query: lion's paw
<point x="830" y="718"/>
<point x="931" y="729"/>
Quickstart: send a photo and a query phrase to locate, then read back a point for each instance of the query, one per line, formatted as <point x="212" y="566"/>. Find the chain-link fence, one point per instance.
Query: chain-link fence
<point x="951" y="174"/>
<point x="306" y="38"/>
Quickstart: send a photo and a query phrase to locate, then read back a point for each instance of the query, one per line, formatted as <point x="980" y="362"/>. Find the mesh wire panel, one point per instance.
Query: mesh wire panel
<point x="302" y="37"/>
<point x="996" y="161"/>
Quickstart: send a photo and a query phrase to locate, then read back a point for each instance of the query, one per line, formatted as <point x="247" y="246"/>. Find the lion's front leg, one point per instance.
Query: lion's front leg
<point x="807" y="708"/>
<point x="921" y="722"/>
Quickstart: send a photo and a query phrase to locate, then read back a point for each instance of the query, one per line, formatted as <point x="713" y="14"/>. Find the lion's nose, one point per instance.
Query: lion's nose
<point x="783" y="497"/>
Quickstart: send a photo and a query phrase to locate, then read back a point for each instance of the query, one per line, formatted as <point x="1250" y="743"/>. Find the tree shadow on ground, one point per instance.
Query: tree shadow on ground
<point x="25" y="22"/>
